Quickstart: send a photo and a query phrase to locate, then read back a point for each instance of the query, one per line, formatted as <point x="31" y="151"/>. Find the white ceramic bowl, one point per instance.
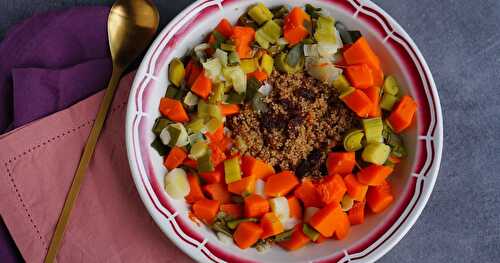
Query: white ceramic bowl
<point x="413" y="182"/>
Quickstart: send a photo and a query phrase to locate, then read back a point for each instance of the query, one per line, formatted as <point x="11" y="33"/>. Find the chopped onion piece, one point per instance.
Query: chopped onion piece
<point x="225" y="239"/>
<point x="259" y="187"/>
<point x="290" y="223"/>
<point x="176" y="183"/>
<point x="265" y="89"/>
<point x="165" y="136"/>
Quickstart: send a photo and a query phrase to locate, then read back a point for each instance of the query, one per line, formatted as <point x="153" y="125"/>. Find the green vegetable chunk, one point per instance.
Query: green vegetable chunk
<point x="376" y="153"/>
<point x="341" y="84"/>
<point x="280" y="11"/>
<point x="214" y="112"/>
<point x="310" y="232"/>
<point x="235" y="98"/>
<point x="260" y="13"/>
<point x="161" y="148"/>
<point x="176" y="72"/>
<point x="198" y="149"/>
<point x="160" y="124"/>
<point x="196" y="125"/>
<point x="232" y="170"/>
<point x="353" y="140"/>
<point x="325" y="30"/>
<point x="234" y="223"/>
<point x="233" y="59"/>
<point x="388" y="101"/>
<point x="203" y="109"/>
<point x="171" y="92"/>
<point x="373" y="130"/>
<point x="391" y="85"/>
<point x="217" y="94"/>
<point x="228" y="47"/>
<point x="213" y="124"/>
<point x="281" y="64"/>
<point x="205" y="163"/>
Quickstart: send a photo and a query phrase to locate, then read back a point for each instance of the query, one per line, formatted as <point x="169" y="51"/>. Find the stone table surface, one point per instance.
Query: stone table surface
<point x="460" y="39"/>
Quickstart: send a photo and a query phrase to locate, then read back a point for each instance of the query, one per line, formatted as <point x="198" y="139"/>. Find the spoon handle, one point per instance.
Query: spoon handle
<point x="88" y="152"/>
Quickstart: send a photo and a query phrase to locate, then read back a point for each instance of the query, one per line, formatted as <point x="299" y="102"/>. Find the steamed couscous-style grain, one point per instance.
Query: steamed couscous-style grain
<point x="304" y="120"/>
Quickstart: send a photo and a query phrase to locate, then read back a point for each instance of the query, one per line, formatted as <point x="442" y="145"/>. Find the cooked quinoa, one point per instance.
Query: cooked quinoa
<point x="304" y="120"/>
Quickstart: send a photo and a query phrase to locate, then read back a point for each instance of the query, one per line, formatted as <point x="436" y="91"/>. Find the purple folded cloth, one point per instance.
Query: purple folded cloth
<point x="49" y="62"/>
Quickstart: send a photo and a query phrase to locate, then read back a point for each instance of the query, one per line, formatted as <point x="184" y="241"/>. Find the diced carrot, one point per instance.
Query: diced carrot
<point x="357" y="213"/>
<point x="235" y="211"/>
<point x="260" y="75"/>
<point x="374" y="94"/>
<point x="244" y="186"/>
<point x="258" y="168"/>
<point x="212" y="177"/>
<point x="378" y="76"/>
<point x="206" y="210"/>
<point x="358" y="102"/>
<point x="247" y="234"/>
<point x="342" y="226"/>
<point x="340" y="162"/>
<point x="217" y="135"/>
<point x="307" y="193"/>
<point x="225" y="28"/>
<point x="402" y="115"/>
<point x="195" y="192"/>
<point x="202" y="86"/>
<point x="175" y="158"/>
<point x="229" y="109"/>
<point x="355" y="189"/>
<point x="280" y="184"/>
<point x="360" y="76"/>
<point x="294" y="30"/>
<point x="295" y="35"/>
<point x="255" y="206"/>
<point x="374" y="174"/>
<point x="295" y="208"/>
<point x="332" y="189"/>
<point x="190" y="163"/>
<point x="324" y="220"/>
<point x="361" y="52"/>
<point x="218" y="192"/>
<point x="271" y="225"/>
<point x="192" y="72"/>
<point x="379" y="197"/>
<point x="242" y="38"/>
<point x="218" y="155"/>
<point x="173" y="110"/>
<point x="297" y="240"/>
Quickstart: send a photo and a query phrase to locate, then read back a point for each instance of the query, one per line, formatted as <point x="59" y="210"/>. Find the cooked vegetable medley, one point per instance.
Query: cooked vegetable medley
<point x="259" y="196"/>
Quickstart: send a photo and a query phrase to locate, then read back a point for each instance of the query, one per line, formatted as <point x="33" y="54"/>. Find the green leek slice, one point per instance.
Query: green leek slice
<point x="373" y="130"/>
<point x="232" y="170"/>
<point x="376" y="153"/>
<point x="353" y="141"/>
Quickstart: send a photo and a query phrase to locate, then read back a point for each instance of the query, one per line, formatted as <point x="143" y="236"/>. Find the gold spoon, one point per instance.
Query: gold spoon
<point x="132" y="24"/>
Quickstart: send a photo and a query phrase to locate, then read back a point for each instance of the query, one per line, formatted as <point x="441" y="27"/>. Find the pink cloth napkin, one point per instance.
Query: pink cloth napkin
<point x="109" y="223"/>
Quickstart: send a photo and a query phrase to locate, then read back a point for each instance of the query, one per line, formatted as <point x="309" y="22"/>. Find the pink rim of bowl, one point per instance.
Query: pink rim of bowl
<point x="413" y="195"/>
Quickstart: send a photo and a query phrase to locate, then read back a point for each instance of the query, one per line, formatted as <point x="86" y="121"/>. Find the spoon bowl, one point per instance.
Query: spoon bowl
<point x="131" y="26"/>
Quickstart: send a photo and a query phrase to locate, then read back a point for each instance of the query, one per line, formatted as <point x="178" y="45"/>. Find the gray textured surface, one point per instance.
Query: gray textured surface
<point x="460" y="40"/>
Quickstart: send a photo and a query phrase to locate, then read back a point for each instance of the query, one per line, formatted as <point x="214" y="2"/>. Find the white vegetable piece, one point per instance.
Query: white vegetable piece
<point x="237" y="77"/>
<point x="279" y="205"/>
<point x="213" y="68"/>
<point x="165" y="136"/>
<point x="322" y="69"/>
<point x="222" y="56"/>
<point x="347" y="203"/>
<point x="290" y="223"/>
<point x="191" y="99"/>
<point x="176" y="183"/>
<point x="265" y="89"/>
<point x="311" y="50"/>
<point x="282" y="41"/>
<point x="310" y="211"/>
<point x="202" y="47"/>
<point x="259" y="187"/>
<point x="225" y="239"/>
<point x="327" y="49"/>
